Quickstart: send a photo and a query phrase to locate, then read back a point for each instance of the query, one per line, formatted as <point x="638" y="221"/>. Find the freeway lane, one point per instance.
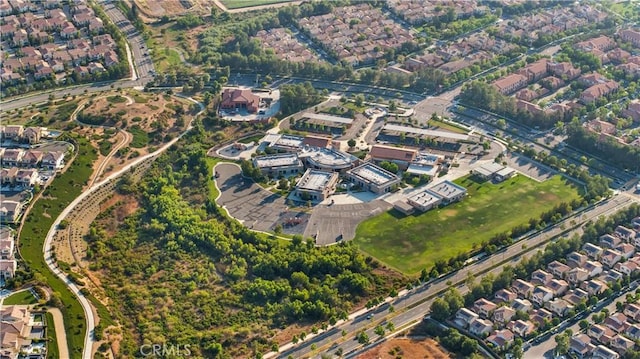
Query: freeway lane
<point x="415" y="305"/>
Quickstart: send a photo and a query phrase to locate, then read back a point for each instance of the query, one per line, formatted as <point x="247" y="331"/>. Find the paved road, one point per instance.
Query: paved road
<point x="402" y="318"/>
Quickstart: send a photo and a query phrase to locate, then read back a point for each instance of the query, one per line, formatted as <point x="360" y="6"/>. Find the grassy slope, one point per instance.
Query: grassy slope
<point x="236" y="4"/>
<point x="61" y="192"/>
<point x="52" y="344"/>
<point x="412" y="243"/>
<point x="22" y="298"/>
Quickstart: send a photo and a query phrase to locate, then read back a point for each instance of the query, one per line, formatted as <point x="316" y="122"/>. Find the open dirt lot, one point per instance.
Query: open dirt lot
<point x="155" y="9"/>
<point x="406" y="349"/>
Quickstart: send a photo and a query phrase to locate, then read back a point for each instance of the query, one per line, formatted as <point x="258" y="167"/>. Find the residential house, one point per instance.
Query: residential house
<point x="522" y="305"/>
<point x="541" y="277"/>
<point x="559" y="306"/>
<point x="633" y="332"/>
<point x="10" y="211"/>
<point x="594" y="287"/>
<point x="621" y="344"/>
<point x="609" y="241"/>
<point x="592" y="251"/>
<point x="597" y="91"/>
<point x="12" y="158"/>
<point x="510" y="83"/>
<point x="558" y="269"/>
<point x="618" y="55"/>
<point x="602" y="352"/>
<point x="27" y="177"/>
<point x="541" y="295"/>
<point x="627" y="250"/>
<point x="558" y="286"/>
<point x="600" y="333"/>
<point x="13" y="132"/>
<point x="631" y="36"/>
<point x="464" y="316"/>
<point x="580" y="345"/>
<point x="564" y="70"/>
<point x="535" y="70"/>
<point x="633" y="108"/>
<point x="7" y="268"/>
<point x="522" y="288"/>
<point x="504" y="296"/>
<point x="617" y="322"/>
<point x="31" y="159"/>
<point x="577" y="275"/>
<point x="521" y="328"/>
<point x="484" y="307"/>
<point x="628" y="267"/>
<point x="503" y="314"/>
<point x="8" y="176"/>
<point x="53" y="160"/>
<point x="602" y="43"/>
<point x="576" y="296"/>
<point x="501" y="338"/>
<point x="632" y="310"/>
<point x="480" y="327"/>
<point x="610" y="257"/>
<point x="625" y="233"/>
<point x="575" y="259"/>
<point x="540" y="316"/>
<point x="611" y="276"/>
<point x="594" y="268"/>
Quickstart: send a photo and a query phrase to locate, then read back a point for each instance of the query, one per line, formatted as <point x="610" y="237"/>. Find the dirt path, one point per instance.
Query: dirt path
<point x="61" y="335"/>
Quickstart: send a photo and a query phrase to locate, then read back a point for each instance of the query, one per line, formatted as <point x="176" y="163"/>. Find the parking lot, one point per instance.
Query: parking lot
<point x="529" y="168"/>
<point x="254" y="206"/>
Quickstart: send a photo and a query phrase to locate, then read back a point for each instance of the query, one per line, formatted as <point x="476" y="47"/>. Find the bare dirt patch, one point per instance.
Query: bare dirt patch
<point x="406" y="349"/>
<point x="154" y="9"/>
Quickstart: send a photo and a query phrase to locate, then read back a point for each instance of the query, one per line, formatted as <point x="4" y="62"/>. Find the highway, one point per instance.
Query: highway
<point x="411" y="307"/>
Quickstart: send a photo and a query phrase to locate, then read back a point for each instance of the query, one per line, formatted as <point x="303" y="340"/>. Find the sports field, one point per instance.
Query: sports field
<point x="237" y="4"/>
<point x="411" y="243"/>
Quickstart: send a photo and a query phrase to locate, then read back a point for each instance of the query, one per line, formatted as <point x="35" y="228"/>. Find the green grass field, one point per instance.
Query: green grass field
<point x="165" y="59"/>
<point x="140" y="137"/>
<point x="446" y="126"/>
<point x="237" y="4"/>
<point x="411" y="243"/>
<point x="22" y="298"/>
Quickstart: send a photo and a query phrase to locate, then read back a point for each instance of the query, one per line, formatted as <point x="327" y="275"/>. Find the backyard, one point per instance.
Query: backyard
<point x="21" y="298"/>
<point x="411" y="243"/>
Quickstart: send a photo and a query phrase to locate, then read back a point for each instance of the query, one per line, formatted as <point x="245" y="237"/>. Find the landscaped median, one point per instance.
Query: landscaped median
<point x="62" y="191"/>
<point x="413" y="243"/>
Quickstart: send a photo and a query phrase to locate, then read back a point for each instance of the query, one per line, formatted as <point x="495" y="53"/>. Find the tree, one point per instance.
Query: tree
<point x="501" y="123"/>
<point x="440" y="309"/>
<point x="562" y="344"/>
<point x="352" y="143"/>
<point x="379" y="330"/>
<point x="283" y="184"/>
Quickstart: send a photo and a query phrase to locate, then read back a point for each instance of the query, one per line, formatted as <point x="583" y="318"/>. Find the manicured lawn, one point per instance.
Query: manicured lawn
<point x="59" y="194"/>
<point x="116" y="99"/>
<point x="22" y="298"/>
<point x="52" y="339"/>
<point x="213" y="191"/>
<point x="411" y="243"/>
<point x="254" y="138"/>
<point x="236" y="4"/>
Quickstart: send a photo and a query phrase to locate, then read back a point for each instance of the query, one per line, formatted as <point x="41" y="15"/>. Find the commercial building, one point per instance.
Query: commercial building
<point x="400" y="156"/>
<point x="494" y="171"/>
<point x="287" y="164"/>
<point x="287" y="143"/>
<point x="323" y="123"/>
<point x="316" y="185"/>
<point x="449" y="191"/>
<point x="240" y="99"/>
<point x="425" y="164"/>
<point x="424" y="200"/>
<point x="326" y="159"/>
<point x="373" y="178"/>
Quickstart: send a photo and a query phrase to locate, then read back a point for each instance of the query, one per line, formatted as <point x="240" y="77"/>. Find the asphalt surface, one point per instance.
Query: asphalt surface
<point x="255" y="207"/>
<point x="418" y="300"/>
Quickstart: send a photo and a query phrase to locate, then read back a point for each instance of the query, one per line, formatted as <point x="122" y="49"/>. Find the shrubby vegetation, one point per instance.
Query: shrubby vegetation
<point x="294" y="98"/>
<point x="179" y="271"/>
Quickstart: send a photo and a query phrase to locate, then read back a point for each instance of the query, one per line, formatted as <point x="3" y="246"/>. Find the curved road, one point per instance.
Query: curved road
<point x="49" y="259"/>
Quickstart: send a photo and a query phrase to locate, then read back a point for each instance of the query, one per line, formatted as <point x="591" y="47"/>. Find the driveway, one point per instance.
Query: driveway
<point x="252" y="205"/>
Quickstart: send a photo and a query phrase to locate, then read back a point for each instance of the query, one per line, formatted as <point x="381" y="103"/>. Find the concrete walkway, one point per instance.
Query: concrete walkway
<point x="61" y="335"/>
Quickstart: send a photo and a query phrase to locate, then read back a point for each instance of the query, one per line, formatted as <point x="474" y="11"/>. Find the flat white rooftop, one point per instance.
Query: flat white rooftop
<point x="507" y="171"/>
<point x="281" y="160"/>
<point x="374" y="174"/>
<point x="328" y="157"/>
<point x="425" y="198"/>
<point x="290" y="141"/>
<point x="430" y="133"/>
<point x="448" y="189"/>
<point x="314" y="180"/>
<point x="423" y="169"/>
<point x="328" y="118"/>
